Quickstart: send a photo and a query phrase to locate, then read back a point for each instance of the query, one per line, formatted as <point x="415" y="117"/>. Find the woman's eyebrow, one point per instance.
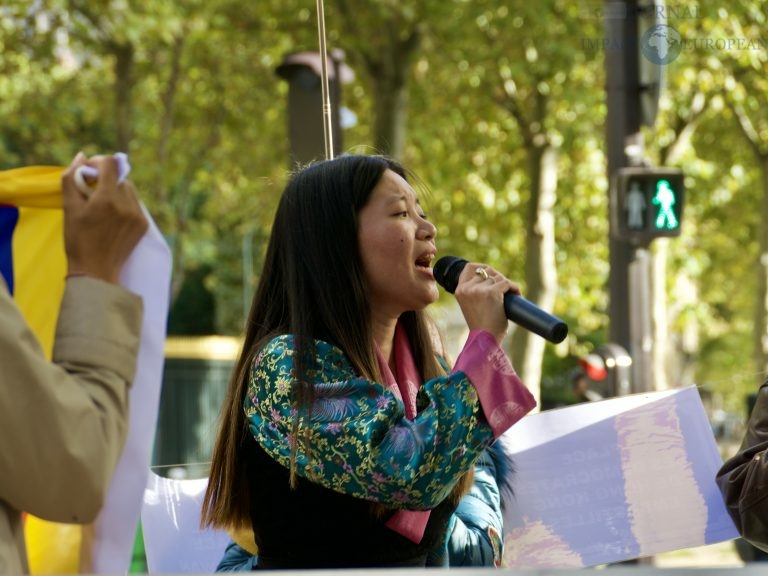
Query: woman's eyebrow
<point x="397" y="196"/>
<point x="405" y="196"/>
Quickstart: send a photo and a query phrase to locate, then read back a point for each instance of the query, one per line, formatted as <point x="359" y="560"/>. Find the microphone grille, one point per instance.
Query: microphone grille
<point x="447" y="270"/>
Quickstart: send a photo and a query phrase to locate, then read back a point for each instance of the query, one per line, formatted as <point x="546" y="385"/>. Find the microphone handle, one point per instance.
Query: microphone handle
<point x="526" y="314"/>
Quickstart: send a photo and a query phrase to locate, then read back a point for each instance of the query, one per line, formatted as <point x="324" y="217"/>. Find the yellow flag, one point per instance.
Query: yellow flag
<point x="32" y="187"/>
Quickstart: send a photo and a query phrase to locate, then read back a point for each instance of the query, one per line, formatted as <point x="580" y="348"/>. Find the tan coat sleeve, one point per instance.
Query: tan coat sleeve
<point x="743" y="478"/>
<point x="64" y="423"/>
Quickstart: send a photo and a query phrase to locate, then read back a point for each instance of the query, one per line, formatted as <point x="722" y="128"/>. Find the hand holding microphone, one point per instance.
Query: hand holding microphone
<point x="480" y="290"/>
<point x="516" y="308"/>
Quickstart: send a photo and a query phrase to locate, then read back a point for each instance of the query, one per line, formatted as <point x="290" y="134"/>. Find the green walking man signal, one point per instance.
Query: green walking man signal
<point x="646" y="203"/>
<point x="665" y="198"/>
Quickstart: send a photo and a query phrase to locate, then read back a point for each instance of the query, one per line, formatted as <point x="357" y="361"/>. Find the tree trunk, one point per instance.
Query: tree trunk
<point x="161" y="178"/>
<point x="755" y="140"/>
<point x="389" y="74"/>
<point x="387" y="63"/>
<point x="123" y="87"/>
<point x="526" y="348"/>
<point x="391" y="103"/>
<point x="761" y="303"/>
<point x="670" y="366"/>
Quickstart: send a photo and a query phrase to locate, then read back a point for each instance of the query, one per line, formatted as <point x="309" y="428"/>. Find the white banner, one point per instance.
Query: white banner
<point x="623" y="478"/>
<point x="173" y="540"/>
<point x="595" y="483"/>
<point x="147" y="272"/>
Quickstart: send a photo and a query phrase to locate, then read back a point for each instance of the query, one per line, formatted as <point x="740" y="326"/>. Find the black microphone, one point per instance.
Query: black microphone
<point x="519" y="310"/>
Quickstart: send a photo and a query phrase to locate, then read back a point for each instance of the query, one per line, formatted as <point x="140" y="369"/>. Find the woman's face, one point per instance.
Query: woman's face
<point x="397" y="245"/>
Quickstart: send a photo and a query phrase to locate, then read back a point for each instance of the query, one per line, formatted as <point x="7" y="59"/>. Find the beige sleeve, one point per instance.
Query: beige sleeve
<point x="64" y="423"/>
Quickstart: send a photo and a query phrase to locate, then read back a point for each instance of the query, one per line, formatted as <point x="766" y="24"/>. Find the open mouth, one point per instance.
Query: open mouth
<point x="425" y="261"/>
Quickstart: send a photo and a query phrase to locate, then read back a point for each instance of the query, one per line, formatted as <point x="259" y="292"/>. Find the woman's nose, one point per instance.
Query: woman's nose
<point x="427" y="230"/>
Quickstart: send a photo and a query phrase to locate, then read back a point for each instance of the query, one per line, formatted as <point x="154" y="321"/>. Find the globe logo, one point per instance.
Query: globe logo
<point x="661" y="44"/>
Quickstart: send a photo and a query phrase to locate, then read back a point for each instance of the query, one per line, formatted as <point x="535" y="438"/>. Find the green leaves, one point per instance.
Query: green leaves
<point x="480" y="87"/>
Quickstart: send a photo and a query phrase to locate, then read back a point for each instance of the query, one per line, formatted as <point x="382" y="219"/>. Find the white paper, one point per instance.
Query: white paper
<point x="613" y="480"/>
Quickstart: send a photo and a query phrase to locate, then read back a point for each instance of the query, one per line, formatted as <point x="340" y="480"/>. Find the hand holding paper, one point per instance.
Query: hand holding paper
<point x="86" y="176"/>
<point x="102" y="226"/>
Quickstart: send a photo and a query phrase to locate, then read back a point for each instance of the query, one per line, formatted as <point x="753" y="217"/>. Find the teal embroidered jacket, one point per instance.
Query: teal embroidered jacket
<point x="363" y="445"/>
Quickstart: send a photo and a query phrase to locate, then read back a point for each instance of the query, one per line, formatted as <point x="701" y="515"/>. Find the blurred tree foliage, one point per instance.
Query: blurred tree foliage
<point x="466" y="92"/>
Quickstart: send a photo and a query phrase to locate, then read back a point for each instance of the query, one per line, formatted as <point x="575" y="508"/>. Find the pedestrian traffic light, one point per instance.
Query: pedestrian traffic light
<point x="647" y="203"/>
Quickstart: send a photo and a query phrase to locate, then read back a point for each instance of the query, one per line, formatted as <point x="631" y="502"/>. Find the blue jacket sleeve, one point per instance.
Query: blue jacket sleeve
<point x="475" y="536"/>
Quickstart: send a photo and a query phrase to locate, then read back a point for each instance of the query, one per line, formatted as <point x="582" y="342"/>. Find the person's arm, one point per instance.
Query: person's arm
<point x="64" y="423"/>
<point x="363" y="444"/>
<point x="743" y="478"/>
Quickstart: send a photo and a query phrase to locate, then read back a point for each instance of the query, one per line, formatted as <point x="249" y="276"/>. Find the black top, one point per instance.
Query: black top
<point x="314" y="527"/>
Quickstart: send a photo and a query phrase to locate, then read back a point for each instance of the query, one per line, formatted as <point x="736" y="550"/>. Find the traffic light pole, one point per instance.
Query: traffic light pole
<point x="640" y="314"/>
<point x="629" y="276"/>
<point x="622" y="127"/>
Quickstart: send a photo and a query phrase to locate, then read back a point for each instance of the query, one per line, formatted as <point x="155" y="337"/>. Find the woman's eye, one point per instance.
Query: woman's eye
<point x="403" y="214"/>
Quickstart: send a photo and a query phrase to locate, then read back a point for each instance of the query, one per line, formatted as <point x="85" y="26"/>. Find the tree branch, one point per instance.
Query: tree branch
<point x="507" y="98"/>
<point x="684" y="129"/>
<point x="747" y="128"/>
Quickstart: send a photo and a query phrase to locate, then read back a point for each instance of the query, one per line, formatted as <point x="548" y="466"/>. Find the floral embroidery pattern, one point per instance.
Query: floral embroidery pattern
<point x="362" y="443"/>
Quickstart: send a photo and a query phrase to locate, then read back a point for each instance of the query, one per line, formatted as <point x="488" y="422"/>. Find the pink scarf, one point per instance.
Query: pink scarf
<point x="405" y="386"/>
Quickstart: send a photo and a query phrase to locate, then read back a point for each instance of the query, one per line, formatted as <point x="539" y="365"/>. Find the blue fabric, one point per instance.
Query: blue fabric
<point x="9" y="216"/>
<point x="476" y="536"/>
<point x="236" y="559"/>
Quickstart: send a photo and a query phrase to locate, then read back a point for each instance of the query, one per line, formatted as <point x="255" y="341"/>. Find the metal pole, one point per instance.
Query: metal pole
<point x="640" y="322"/>
<point x="327" y="125"/>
